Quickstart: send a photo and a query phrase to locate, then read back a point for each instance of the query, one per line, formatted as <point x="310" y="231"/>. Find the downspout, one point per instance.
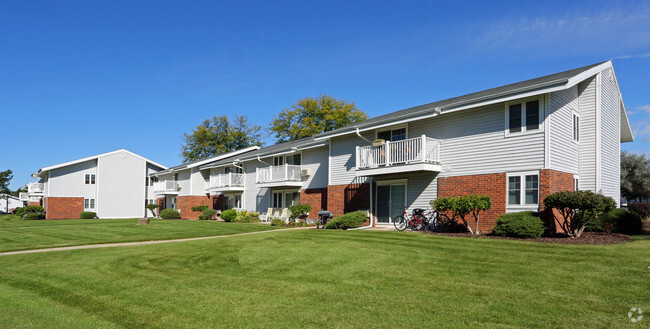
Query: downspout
<point x="240" y="167"/>
<point x="260" y="160"/>
<point x="370" y="212"/>
<point x="359" y="134"/>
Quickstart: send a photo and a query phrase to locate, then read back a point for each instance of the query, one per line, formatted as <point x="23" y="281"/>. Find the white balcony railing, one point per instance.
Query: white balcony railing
<point x="24" y="196"/>
<point x="35" y="188"/>
<point x="413" y="150"/>
<point x="225" y="180"/>
<point x="284" y="173"/>
<point x="166" y="187"/>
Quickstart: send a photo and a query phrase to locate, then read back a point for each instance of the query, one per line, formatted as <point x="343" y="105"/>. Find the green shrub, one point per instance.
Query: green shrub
<point x="152" y="207"/>
<point x="229" y="215"/>
<point x="621" y="221"/>
<point x="299" y="211"/>
<point x="207" y="214"/>
<point x="245" y="216"/>
<point x="34" y="215"/>
<point x="640" y="208"/>
<point x="200" y="208"/>
<point x="577" y="209"/>
<point x="523" y="225"/>
<point x="349" y="220"/>
<point x="18" y="211"/>
<point x="87" y="215"/>
<point x="170" y="214"/>
<point x="277" y="222"/>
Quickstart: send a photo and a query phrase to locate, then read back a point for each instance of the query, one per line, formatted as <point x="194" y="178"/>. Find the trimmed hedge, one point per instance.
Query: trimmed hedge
<point x="87" y="215"/>
<point x="229" y="215"/>
<point x="577" y="209"/>
<point x="523" y="225"/>
<point x="640" y="208"/>
<point x="170" y="214"/>
<point x="30" y="210"/>
<point x="34" y="215"/>
<point x="200" y="208"/>
<point x="349" y="220"/>
<point x="207" y="214"/>
<point x="299" y="211"/>
<point x="621" y="221"/>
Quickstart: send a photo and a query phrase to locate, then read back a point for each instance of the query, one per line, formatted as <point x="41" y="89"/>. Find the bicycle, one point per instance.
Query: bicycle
<point x="416" y="221"/>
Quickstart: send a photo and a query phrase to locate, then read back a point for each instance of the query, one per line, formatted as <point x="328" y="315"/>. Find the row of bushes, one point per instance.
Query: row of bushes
<point x="30" y="212"/>
<point x="640" y="208"/>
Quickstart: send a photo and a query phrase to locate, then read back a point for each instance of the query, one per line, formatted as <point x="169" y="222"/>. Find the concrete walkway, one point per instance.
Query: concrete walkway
<point x="139" y="243"/>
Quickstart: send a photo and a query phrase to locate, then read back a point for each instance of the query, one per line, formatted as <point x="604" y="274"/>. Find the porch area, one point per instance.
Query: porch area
<point x="408" y="155"/>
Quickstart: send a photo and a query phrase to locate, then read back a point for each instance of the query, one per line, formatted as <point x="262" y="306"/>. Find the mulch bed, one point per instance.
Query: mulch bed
<point x="585" y="238"/>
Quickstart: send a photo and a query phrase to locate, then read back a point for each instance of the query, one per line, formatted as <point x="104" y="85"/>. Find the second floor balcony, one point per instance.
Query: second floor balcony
<point x="166" y="187"/>
<point x="279" y="176"/>
<point x="35" y="188"/>
<point x="413" y="154"/>
<point x="225" y="182"/>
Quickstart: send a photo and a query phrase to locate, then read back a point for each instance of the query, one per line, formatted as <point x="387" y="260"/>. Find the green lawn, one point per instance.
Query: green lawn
<point x="19" y="234"/>
<point x="329" y="279"/>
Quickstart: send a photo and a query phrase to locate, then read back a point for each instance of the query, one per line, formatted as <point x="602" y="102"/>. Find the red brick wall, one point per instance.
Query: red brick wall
<point x="185" y="204"/>
<point x="317" y="198"/>
<point x="492" y="185"/>
<point x="347" y="198"/>
<point x="32" y="203"/>
<point x="551" y="181"/>
<point x="64" y="208"/>
<point x="161" y="205"/>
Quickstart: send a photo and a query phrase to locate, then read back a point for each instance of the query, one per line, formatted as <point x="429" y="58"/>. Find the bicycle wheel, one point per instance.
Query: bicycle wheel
<point x="400" y="223"/>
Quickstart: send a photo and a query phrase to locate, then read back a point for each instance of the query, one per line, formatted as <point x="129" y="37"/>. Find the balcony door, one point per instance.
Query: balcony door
<point x="391" y="200"/>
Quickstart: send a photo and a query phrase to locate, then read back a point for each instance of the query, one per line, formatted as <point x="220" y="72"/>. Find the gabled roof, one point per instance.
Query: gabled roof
<point x="527" y="88"/>
<point x="4" y="196"/>
<point x="69" y="163"/>
<point x="207" y="161"/>
<point x="277" y="149"/>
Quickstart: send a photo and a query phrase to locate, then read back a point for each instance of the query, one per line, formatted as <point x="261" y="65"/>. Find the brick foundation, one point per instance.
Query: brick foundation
<point x="551" y="181"/>
<point x="185" y="204"/>
<point x="63" y="208"/>
<point x="33" y="203"/>
<point x="492" y="185"/>
<point x="317" y="198"/>
<point x="348" y="198"/>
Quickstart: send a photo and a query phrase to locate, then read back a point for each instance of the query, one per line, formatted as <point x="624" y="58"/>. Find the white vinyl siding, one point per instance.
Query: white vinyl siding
<point x="69" y="181"/>
<point x="344" y="157"/>
<point x="184" y="180"/>
<point x="316" y="161"/>
<point x="587" y="156"/>
<point x="610" y="136"/>
<point x="473" y="142"/>
<point x="564" y="152"/>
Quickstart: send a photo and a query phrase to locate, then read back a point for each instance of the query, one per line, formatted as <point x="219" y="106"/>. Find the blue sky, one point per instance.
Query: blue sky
<point x="80" y="78"/>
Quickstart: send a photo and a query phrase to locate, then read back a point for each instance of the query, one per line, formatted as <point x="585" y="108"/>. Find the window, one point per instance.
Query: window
<point x="278" y="161"/>
<point x="89" y="203"/>
<point x="576" y="183"/>
<point x="294" y="159"/>
<point x="176" y="177"/>
<point x="153" y="180"/>
<point x="89" y="179"/>
<point x="523" y="116"/>
<point x="277" y="200"/>
<point x="235" y="170"/>
<point x="528" y="194"/>
<point x="576" y="127"/>
<point x="392" y="135"/>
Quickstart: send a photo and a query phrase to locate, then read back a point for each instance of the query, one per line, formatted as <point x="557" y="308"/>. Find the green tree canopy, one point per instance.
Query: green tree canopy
<point x="219" y="135"/>
<point x="5" y="178"/>
<point x="311" y="116"/>
<point x="635" y="176"/>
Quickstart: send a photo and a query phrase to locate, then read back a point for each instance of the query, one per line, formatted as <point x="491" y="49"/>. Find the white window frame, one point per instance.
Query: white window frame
<point x="575" y="129"/>
<point x="284" y="199"/>
<point x="92" y="179"/>
<point x="522" y="191"/>
<point x="90" y="204"/>
<point x="540" y="121"/>
<point x="391" y="128"/>
<point x="576" y="183"/>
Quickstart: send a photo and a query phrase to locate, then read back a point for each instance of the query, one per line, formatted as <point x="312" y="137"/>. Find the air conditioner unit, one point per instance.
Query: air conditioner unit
<point x="305" y="172"/>
<point x="179" y="186"/>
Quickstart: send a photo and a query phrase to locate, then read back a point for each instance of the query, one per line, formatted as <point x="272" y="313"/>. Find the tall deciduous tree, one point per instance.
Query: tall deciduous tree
<point x="635" y="176"/>
<point x="311" y="116"/>
<point x="5" y="178"/>
<point x="219" y="135"/>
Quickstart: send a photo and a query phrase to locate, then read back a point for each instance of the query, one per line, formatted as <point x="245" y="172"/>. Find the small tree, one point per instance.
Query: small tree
<point x="577" y="209"/>
<point x="152" y="207"/>
<point x="461" y="206"/>
<point x="299" y="211"/>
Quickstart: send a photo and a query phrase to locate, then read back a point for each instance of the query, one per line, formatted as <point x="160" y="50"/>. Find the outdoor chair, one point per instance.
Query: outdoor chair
<point x="266" y="217"/>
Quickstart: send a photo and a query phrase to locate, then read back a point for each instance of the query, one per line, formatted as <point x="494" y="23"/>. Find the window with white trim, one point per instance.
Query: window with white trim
<point x="523" y="116"/>
<point x="576" y="183"/>
<point x="278" y="160"/>
<point x="277" y="200"/>
<point x="523" y="189"/>
<point x="89" y="203"/>
<point x="89" y="179"/>
<point x="392" y="135"/>
<point x="576" y="127"/>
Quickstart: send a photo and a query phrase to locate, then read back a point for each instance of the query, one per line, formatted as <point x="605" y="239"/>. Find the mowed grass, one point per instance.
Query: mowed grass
<point x="19" y="234"/>
<point x="329" y="279"/>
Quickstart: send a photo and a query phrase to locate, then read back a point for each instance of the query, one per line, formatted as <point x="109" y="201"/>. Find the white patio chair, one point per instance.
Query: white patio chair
<point x="266" y="217"/>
